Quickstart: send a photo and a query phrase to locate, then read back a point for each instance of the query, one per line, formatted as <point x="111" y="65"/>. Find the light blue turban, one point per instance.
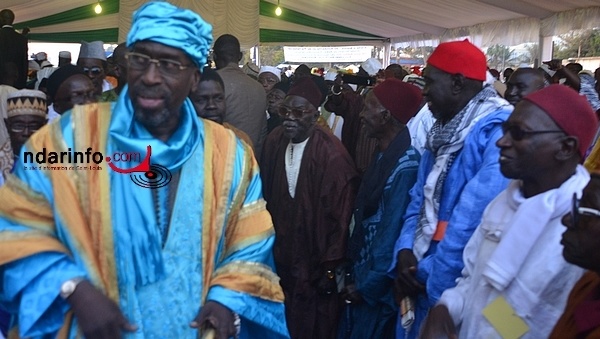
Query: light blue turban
<point x="174" y="27"/>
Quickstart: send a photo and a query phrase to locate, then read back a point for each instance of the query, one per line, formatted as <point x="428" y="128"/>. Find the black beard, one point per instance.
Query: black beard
<point x="151" y="119"/>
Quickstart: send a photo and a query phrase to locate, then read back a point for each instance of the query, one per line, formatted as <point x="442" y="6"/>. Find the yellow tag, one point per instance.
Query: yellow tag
<point x="504" y="319"/>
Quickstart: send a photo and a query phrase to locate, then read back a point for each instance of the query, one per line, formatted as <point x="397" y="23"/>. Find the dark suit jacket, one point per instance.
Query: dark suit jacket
<point x="13" y="48"/>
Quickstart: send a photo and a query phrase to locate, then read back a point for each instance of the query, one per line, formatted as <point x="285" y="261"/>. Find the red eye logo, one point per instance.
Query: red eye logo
<point x="154" y="176"/>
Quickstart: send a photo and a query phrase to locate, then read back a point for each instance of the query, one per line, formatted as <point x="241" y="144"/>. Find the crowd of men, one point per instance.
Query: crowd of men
<point x="264" y="204"/>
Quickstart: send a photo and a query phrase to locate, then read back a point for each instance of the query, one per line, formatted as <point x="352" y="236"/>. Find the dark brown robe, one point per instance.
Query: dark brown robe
<point x="312" y="228"/>
<point x="566" y="327"/>
<point x="354" y="136"/>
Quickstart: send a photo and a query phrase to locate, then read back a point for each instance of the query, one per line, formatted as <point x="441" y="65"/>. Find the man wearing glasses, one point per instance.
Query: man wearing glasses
<point x="92" y="253"/>
<point x="515" y="275"/>
<point x="92" y="61"/>
<point x="310" y="184"/>
<point x="26" y="111"/>
<point x="580" y="247"/>
<point x="69" y="86"/>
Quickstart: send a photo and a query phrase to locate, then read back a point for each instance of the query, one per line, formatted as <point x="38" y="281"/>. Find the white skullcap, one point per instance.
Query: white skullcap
<point x="41" y="56"/>
<point x="331" y="74"/>
<point x="371" y="65"/>
<point x="92" y="50"/>
<point x="270" y="69"/>
<point x="64" y="54"/>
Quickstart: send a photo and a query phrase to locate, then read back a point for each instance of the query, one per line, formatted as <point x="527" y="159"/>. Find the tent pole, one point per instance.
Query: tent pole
<point x="257" y="54"/>
<point x="387" y="51"/>
<point x="545" y="50"/>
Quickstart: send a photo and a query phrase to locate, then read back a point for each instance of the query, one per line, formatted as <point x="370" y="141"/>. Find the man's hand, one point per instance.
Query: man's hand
<point x="351" y="294"/>
<point x="217" y="316"/>
<point x="97" y="315"/>
<point x="438" y="324"/>
<point x="405" y="284"/>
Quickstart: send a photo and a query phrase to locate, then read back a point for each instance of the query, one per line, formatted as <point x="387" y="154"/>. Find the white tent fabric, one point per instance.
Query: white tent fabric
<point x="239" y="17"/>
<point x="488" y="22"/>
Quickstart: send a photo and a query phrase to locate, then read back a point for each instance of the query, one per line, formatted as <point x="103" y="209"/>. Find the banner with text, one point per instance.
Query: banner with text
<point x="327" y="54"/>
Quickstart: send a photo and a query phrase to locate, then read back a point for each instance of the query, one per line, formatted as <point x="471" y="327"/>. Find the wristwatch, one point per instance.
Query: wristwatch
<point x="68" y="287"/>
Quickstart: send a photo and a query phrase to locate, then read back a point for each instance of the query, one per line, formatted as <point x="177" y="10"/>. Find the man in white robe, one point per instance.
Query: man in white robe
<point x="514" y="258"/>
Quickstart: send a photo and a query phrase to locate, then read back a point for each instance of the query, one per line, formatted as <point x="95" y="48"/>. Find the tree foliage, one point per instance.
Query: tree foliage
<point x="578" y="44"/>
<point x="271" y="55"/>
<point x="500" y="56"/>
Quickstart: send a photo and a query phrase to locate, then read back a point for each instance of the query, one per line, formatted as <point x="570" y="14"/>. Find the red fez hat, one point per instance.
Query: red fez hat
<point x="307" y="89"/>
<point x="460" y="57"/>
<point x="400" y="98"/>
<point x="570" y="111"/>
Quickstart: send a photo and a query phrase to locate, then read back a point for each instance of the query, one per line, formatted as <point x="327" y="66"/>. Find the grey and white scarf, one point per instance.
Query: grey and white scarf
<point x="446" y="142"/>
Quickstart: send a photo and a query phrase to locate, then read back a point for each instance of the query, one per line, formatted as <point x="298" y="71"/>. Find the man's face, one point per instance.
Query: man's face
<point x="535" y="154"/>
<point x="21" y="127"/>
<point x="157" y="95"/>
<point x="300" y="119"/>
<point x="209" y="101"/>
<point x="438" y="93"/>
<point x="94" y="69"/>
<point x="520" y="84"/>
<point x="372" y="115"/>
<point x="274" y="99"/>
<point x="582" y="241"/>
<point x="268" y="80"/>
<point x="76" y="90"/>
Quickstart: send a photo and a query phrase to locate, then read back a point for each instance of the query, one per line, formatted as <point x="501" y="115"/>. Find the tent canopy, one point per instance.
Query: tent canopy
<point x="331" y="22"/>
<point x="509" y="22"/>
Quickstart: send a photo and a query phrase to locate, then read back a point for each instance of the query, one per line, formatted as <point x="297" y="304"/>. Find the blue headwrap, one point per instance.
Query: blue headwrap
<point x="174" y="27"/>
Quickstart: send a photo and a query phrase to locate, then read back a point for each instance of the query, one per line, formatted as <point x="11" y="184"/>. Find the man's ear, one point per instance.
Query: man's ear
<point x="386" y="116"/>
<point x="569" y="148"/>
<point x="316" y="116"/>
<point x="457" y="82"/>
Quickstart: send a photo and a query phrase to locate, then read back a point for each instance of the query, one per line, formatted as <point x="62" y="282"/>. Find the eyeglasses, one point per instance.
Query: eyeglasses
<point x="140" y="62"/>
<point x="93" y="70"/>
<point x="21" y="127"/>
<point x="518" y="134"/>
<point x="576" y="211"/>
<point x="296" y="112"/>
